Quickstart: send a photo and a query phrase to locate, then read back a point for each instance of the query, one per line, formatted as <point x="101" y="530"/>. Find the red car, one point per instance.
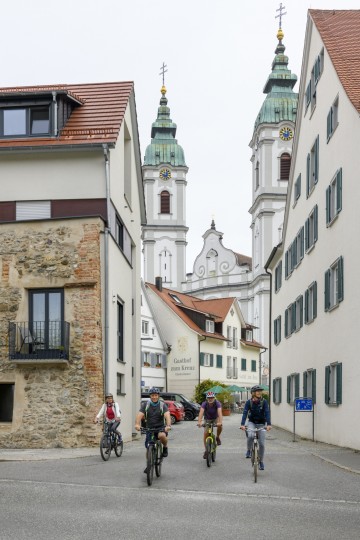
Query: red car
<point x="177" y="411"/>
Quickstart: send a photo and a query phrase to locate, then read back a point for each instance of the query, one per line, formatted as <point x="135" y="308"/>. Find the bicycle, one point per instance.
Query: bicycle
<point x="210" y="442"/>
<point x="110" y="440"/>
<point x="255" y="460"/>
<point x="154" y="454"/>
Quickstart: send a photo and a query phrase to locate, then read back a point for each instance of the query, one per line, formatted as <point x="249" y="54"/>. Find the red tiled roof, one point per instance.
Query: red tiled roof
<point x="96" y="120"/>
<point x="339" y="30"/>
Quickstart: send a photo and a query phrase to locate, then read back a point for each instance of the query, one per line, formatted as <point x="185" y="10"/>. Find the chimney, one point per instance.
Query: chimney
<point x="158" y="283"/>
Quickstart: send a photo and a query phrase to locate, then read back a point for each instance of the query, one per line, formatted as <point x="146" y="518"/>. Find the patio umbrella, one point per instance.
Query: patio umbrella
<point x="265" y="387"/>
<point x="216" y="389"/>
<point x="235" y="388"/>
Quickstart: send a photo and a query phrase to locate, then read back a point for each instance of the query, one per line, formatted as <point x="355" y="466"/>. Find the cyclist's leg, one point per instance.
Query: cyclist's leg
<point x="115" y="428"/>
<point x="162" y="436"/>
<point x="218" y="432"/>
<point x="250" y="435"/>
<point x="261" y="435"/>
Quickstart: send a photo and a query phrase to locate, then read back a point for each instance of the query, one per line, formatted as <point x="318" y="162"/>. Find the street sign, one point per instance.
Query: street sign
<point x="303" y="404"/>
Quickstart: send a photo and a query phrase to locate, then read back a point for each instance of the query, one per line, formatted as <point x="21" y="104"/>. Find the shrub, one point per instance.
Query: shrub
<point x="201" y="389"/>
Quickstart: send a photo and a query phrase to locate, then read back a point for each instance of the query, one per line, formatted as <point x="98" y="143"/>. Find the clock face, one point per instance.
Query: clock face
<point x="165" y="174"/>
<point x="286" y="133"/>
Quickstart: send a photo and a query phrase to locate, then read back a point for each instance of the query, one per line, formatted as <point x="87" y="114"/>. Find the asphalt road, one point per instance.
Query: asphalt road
<point x="298" y="495"/>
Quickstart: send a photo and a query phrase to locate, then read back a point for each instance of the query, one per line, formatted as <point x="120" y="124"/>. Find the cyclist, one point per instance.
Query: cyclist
<point x="257" y="412"/>
<point x="156" y="415"/>
<point x="211" y="409"/>
<point x="110" y="411"/>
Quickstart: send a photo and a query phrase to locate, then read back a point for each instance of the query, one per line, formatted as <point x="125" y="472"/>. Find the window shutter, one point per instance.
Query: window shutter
<point x="211" y="360"/>
<point x="316" y="211"/>
<point x="339" y="191"/>
<point x="275" y="332"/>
<point x="297" y="385"/>
<point x="142" y="358"/>
<point x="339" y="384"/>
<point x="315" y="300"/>
<point x="301" y="311"/>
<point x="307" y="234"/>
<point x="286" y="323"/>
<point x="305" y="375"/>
<point x="328" y="125"/>
<point x="279" y="390"/>
<point x="219" y="361"/>
<point x="340" y="280"/>
<point x="307" y="175"/>
<point x="328" y="205"/>
<point x="163" y="360"/>
<point x="152" y="359"/>
<point x="202" y="359"/>
<point x="288" y="389"/>
<point x="302" y="236"/>
<point x="327" y="290"/>
<point x="316" y="171"/>
<point x="286" y="264"/>
<point x="313" y="386"/>
<point x="279" y="328"/>
<point x="274" y="386"/>
<point x="327" y="384"/>
<point x="293" y="316"/>
<point x="306" y="306"/>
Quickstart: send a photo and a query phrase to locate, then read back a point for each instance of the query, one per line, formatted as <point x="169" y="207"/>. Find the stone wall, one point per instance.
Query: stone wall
<point x="54" y="404"/>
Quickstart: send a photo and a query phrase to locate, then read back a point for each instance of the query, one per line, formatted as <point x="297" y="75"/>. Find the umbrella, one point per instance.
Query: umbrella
<point x="265" y="387"/>
<point x="235" y="388"/>
<point x="215" y="389"/>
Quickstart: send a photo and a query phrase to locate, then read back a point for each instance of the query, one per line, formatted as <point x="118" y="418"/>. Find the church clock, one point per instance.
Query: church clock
<point x="286" y="133"/>
<point x="165" y="174"/>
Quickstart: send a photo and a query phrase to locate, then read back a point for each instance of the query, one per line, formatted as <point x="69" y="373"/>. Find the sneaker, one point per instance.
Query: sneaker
<point x="165" y="452"/>
<point x="205" y="455"/>
<point x="218" y="442"/>
<point x="107" y="451"/>
<point x="248" y="454"/>
<point x="261" y="466"/>
<point x="145" y="470"/>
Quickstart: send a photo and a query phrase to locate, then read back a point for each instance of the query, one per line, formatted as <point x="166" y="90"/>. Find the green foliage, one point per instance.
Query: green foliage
<point x="265" y="395"/>
<point x="201" y="389"/>
<point x="225" y="399"/>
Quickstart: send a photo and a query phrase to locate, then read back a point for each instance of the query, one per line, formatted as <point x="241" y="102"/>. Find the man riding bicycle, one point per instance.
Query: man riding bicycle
<point x="257" y="411"/>
<point x="211" y="410"/>
<point x="156" y="416"/>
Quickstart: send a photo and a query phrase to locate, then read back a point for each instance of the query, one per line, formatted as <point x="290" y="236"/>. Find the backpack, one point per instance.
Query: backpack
<point x="262" y="402"/>
<point x="144" y="420"/>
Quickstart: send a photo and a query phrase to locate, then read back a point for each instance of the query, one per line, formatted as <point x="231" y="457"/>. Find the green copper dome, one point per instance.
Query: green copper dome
<point x="164" y="148"/>
<point x="281" y="101"/>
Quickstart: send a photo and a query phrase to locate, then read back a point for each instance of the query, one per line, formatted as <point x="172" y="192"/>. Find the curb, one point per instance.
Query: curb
<point x="349" y="469"/>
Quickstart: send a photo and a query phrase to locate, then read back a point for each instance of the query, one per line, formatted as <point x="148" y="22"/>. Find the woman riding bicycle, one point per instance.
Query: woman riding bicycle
<point x="257" y="411"/>
<point x="110" y="411"/>
<point x="211" y="410"/>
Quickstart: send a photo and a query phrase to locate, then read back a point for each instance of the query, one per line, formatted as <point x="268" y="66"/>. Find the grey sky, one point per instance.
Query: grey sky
<point x="219" y="55"/>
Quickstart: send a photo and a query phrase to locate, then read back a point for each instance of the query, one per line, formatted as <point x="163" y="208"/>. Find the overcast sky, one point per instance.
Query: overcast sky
<point x="219" y="55"/>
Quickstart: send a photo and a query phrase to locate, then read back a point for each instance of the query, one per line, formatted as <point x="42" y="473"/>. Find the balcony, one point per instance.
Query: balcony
<point x="39" y="342"/>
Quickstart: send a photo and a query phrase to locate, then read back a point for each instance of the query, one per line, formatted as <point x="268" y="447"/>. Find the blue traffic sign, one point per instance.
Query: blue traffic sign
<point x="303" y="404"/>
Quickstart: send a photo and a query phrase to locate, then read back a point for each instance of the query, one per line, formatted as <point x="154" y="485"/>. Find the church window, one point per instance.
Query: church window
<point x="165" y="202"/>
<point x="285" y="163"/>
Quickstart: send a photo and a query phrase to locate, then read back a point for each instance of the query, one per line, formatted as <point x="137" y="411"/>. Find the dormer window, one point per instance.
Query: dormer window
<point x="25" y="121"/>
<point x="210" y="326"/>
<point x="248" y="335"/>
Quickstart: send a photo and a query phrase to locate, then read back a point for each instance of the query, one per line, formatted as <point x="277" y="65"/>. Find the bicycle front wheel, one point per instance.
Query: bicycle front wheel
<point x="158" y="459"/>
<point x="213" y="453"/>
<point x="208" y="452"/>
<point x="118" y="446"/>
<point x="256" y="463"/>
<point x="105" y="447"/>
<point x="150" y="465"/>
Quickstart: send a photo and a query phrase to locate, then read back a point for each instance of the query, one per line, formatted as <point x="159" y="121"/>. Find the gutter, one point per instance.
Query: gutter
<point x="106" y="276"/>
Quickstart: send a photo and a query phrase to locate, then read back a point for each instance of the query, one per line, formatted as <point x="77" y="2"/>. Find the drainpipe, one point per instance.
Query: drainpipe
<point x="200" y="340"/>
<point x="106" y="275"/>
<point x="270" y="326"/>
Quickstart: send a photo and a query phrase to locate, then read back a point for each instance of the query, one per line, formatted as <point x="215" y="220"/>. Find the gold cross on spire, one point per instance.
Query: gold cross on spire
<point x="163" y="71"/>
<point x="281" y="14"/>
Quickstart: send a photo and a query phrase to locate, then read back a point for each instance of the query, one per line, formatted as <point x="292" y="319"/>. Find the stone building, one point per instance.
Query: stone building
<point x="71" y="209"/>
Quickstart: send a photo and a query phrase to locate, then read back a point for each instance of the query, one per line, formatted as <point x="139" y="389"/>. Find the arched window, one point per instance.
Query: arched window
<point x="285" y="162"/>
<point x="165" y="202"/>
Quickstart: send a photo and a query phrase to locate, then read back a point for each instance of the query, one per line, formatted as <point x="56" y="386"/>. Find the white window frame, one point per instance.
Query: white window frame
<point x="248" y="335"/>
<point x="206" y="359"/>
<point x="310" y="303"/>
<point x="145" y="327"/>
<point x="234" y="338"/>
<point x="334" y="284"/>
<point x="229" y="338"/>
<point x="334" y="198"/>
<point x="210" y="326"/>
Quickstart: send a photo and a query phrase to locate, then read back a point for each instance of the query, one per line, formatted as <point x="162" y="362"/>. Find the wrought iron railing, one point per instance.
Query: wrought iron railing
<point x="39" y="340"/>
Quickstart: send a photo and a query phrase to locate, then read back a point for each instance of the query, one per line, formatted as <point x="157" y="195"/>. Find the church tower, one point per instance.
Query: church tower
<point x="164" y="173"/>
<point x="271" y="146"/>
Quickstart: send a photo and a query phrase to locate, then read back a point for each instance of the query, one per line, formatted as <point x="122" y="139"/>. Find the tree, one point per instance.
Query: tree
<point x="202" y="388"/>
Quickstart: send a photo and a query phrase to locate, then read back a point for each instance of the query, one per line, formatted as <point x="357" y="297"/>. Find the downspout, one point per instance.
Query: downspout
<point x="270" y="326"/>
<point x="106" y="273"/>
<point x="200" y="340"/>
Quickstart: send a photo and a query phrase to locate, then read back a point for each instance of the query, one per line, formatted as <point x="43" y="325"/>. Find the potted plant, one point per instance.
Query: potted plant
<point x="225" y="399"/>
<point x="158" y="365"/>
<point x="146" y="364"/>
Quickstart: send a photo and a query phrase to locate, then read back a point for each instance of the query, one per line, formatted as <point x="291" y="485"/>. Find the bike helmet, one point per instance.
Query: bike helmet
<point x="256" y="388"/>
<point x="154" y="390"/>
<point x="210" y="395"/>
<point x="108" y="395"/>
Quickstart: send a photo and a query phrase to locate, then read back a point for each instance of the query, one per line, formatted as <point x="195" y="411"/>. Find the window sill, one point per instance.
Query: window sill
<point x="121" y="361"/>
<point x="310" y="248"/>
<point x="332" y="220"/>
<point x="120" y="393"/>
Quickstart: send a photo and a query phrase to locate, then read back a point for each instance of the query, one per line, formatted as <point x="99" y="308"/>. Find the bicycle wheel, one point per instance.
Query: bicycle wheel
<point x="158" y="459"/>
<point x="208" y="452"/>
<point x="150" y="464"/>
<point x="105" y="447"/>
<point x="118" y="446"/>
<point x="256" y="463"/>
<point x="213" y="453"/>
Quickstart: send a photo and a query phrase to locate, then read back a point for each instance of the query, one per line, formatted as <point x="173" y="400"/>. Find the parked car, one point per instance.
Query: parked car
<point x="191" y="409"/>
<point x="176" y="410"/>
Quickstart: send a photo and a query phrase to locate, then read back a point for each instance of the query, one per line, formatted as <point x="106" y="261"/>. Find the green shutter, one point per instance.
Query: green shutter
<point x="288" y="389"/>
<point x="339" y="191"/>
<point x="301" y="311"/>
<point x="279" y="328"/>
<point x="314" y="300"/>
<point x="328" y="205"/>
<point x="274" y="386"/>
<point x="279" y="390"/>
<point x="211" y="360"/>
<point x="328" y="125"/>
<point x="305" y="375"/>
<point x="313" y="386"/>
<point x="302" y="235"/>
<point x="327" y="290"/>
<point x="339" y="384"/>
<point x="286" y="324"/>
<point x="307" y="175"/>
<point x="307" y="234"/>
<point x="297" y="385"/>
<point x="316" y="171"/>
<point x="315" y="223"/>
<point x="327" y="384"/>
<point x="275" y="332"/>
<point x="340" y="280"/>
<point x="293" y="317"/>
<point x="202" y="359"/>
<point x="306" y="306"/>
<point x="219" y="361"/>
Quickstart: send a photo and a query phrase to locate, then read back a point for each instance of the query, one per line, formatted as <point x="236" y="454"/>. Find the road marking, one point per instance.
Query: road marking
<point x="186" y="492"/>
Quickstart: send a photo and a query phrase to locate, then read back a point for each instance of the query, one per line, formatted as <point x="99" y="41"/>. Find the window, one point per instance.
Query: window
<point x="120" y="384"/>
<point x="248" y="335"/>
<point x="145" y="327"/>
<point x="119" y="233"/>
<point x="243" y="364"/>
<point x="253" y="366"/>
<point x="235" y="338"/>
<point x="120" y="332"/>
<point x="33" y="210"/>
<point x="311" y="229"/>
<point x="299" y="304"/>
<point x="278" y="276"/>
<point x="293" y="387"/>
<point x="210" y="326"/>
<point x="277" y="330"/>
<point x="235" y="369"/>
<point x="334" y="198"/>
<point x="295" y="253"/>
<point x="257" y="175"/>
<point x="297" y="189"/>
<point x="332" y="119"/>
<point x="334" y="284"/>
<point x="46" y="315"/>
<point x="289" y="320"/>
<point x="312" y="167"/>
<point x="165" y="202"/>
<point x="218" y="361"/>
<point x="25" y="121"/>
<point x="207" y="358"/>
<point x="309" y="384"/>
<point x="6" y="402"/>
<point x="176" y="298"/>
<point x="285" y="163"/>
<point x="228" y="336"/>
<point x="311" y="303"/>
<point x="308" y="95"/>
<point x="333" y="384"/>
<point x="146" y="359"/>
<point x="277" y="390"/>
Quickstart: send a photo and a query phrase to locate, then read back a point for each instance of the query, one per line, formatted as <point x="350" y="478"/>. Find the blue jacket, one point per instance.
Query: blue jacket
<point x="259" y="413"/>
